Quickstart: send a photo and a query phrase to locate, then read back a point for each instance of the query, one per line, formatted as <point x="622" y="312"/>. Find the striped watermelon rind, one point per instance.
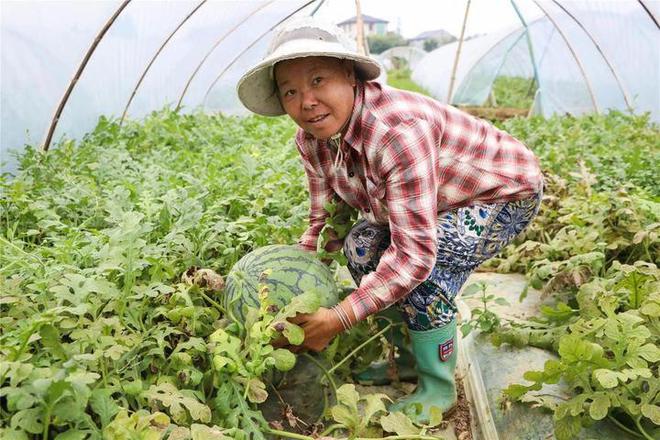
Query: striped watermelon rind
<point x="293" y="271"/>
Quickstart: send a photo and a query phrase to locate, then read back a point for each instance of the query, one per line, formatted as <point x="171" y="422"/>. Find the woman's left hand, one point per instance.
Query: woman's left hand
<point x="320" y="327"/>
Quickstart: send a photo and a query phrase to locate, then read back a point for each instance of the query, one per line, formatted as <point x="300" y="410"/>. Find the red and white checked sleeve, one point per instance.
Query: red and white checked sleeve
<point x="320" y="192"/>
<point x="408" y="165"/>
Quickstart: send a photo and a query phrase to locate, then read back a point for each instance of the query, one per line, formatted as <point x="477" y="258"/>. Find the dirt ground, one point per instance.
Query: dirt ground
<point x="456" y="426"/>
<point x="461" y="417"/>
<point x="458" y="422"/>
<point x="495" y="113"/>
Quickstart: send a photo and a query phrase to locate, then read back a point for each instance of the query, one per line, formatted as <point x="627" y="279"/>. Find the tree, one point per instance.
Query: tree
<point x="380" y="43"/>
<point x="430" y="44"/>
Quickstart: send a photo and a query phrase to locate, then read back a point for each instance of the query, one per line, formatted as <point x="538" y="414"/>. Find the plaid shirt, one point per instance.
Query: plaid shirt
<point x="404" y="159"/>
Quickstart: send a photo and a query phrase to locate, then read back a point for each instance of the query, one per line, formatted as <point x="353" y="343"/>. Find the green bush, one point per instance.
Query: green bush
<point x="380" y="43"/>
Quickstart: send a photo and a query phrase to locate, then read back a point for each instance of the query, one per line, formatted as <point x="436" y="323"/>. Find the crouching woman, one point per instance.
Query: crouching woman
<point x="438" y="191"/>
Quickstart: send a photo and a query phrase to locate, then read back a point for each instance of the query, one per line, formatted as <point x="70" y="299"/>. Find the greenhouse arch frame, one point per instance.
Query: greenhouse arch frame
<point x="216" y="62"/>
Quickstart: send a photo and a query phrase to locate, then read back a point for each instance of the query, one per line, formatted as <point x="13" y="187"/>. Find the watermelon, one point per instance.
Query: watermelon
<point x="293" y="271"/>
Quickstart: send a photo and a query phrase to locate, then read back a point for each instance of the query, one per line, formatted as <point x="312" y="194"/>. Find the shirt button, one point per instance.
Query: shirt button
<point x="351" y="174"/>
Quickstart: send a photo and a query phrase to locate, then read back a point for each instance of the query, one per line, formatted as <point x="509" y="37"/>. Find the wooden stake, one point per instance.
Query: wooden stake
<point x="360" y="29"/>
<point x="458" y="53"/>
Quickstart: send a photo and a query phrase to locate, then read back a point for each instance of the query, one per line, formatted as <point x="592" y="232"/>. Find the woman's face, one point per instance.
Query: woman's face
<point x="317" y="93"/>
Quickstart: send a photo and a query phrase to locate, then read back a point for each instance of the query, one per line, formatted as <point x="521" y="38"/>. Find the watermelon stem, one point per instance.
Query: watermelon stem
<point x="288" y="434"/>
<point x="213" y="302"/>
<point x="332" y="428"/>
<point x="360" y="347"/>
<point x="324" y="370"/>
<point x="330" y="380"/>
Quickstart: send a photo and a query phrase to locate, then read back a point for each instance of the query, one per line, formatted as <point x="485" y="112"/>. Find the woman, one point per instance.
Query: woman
<point x="438" y="190"/>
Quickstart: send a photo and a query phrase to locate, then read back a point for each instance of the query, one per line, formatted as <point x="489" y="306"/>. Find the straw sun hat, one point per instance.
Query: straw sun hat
<point x="303" y="37"/>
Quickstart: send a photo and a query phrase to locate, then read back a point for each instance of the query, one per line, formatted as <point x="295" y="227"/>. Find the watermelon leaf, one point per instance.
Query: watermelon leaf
<point x="284" y="359"/>
<point x="308" y="302"/>
<point x="293" y="333"/>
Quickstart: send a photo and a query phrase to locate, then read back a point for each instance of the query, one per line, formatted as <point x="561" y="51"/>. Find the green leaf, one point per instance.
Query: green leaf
<point x="203" y="432"/>
<point x="652" y="412"/>
<point x="628" y="374"/>
<point x="17" y="371"/>
<point x="57" y="390"/>
<point x="552" y="371"/>
<point x="18" y="398"/>
<point x="69" y="409"/>
<point x="29" y="420"/>
<point x="573" y="406"/>
<point x="345" y="416"/>
<point x="639" y="331"/>
<point x="115" y="352"/>
<point x="80" y="381"/>
<point x="374" y="403"/>
<point x="10" y="434"/>
<point x="256" y="391"/>
<point x="435" y="416"/>
<point x="502" y="301"/>
<point x="567" y="428"/>
<point x="72" y="434"/>
<point x="293" y="333"/>
<point x="176" y="400"/>
<point x="599" y="406"/>
<point x="330" y="207"/>
<point x="308" y="302"/>
<point x="650" y="352"/>
<point x="132" y="388"/>
<point x="533" y="376"/>
<point x="573" y="349"/>
<point x="348" y="396"/>
<point x="50" y="338"/>
<point x="399" y="423"/>
<point x="284" y="359"/>
<point x="178" y="433"/>
<point x="560" y="313"/>
<point x="607" y="378"/>
<point x="104" y="405"/>
<point x="472" y="289"/>
<point x="515" y="391"/>
<point x="651" y="309"/>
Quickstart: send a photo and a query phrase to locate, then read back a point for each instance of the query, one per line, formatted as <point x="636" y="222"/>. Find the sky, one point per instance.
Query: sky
<point x="412" y="17"/>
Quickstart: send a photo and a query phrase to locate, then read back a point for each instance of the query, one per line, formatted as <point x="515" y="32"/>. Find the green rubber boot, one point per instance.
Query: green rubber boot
<point x="435" y="352"/>
<point x="377" y="373"/>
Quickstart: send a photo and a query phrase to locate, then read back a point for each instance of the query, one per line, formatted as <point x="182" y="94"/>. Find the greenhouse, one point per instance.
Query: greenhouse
<point x="584" y="57"/>
<point x="203" y="237"/>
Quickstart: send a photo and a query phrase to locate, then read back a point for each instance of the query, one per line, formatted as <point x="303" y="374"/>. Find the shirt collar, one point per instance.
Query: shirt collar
<point x="353" y="136"/>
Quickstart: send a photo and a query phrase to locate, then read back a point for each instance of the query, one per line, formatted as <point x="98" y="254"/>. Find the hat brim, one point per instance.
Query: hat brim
<point x="258" y="92"/>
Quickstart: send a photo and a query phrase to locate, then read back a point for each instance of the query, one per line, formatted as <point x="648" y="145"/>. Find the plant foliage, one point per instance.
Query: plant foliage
<point x="593" y="249"/>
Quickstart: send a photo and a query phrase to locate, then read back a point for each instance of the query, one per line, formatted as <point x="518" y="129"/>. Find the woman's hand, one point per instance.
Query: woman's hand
<point x="320" y="327"/>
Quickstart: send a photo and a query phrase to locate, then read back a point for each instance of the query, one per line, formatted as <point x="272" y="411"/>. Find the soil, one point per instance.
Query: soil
<point x="458" y="420"/>
<point x="495" y="113"/>
<point x="461" y="417"/>
<point x="456" y="426"/>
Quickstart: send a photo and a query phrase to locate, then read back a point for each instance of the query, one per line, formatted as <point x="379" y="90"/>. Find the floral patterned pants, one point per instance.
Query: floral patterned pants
<point x="466" y="238"/>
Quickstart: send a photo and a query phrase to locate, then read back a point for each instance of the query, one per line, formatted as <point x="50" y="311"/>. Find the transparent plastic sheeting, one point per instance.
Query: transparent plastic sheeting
<point x="433" y="72"/>
<point x="623" y="30"/>
<point x="44" y="42"/>
<point x="413" y="55"/>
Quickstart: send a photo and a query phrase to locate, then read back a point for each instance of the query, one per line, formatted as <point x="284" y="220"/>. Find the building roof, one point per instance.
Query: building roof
<point x="365" y="19"/>
<point x="438" y="34"/>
